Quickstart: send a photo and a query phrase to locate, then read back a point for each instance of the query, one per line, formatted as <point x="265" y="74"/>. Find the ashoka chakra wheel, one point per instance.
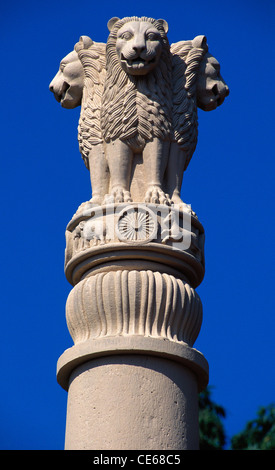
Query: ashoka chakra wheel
<point x="136" y="224"/>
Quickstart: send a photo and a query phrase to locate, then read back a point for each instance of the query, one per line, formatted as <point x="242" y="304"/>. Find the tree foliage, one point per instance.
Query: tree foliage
<point x="258" y="434"/>
<point x="212" y="434"/>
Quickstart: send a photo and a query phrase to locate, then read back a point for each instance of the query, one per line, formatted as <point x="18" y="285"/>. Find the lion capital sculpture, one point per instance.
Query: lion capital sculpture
<point x="139" y="98"/>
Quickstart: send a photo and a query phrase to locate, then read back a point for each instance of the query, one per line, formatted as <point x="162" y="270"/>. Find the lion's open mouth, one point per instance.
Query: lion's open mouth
<point x="137" y="61"/>
<point x="64" y="90"/>
<point x="62" y="93"/>
<point x="220" y="95"/>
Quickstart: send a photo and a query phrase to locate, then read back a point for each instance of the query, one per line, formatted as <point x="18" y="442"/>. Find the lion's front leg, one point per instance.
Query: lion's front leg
<point x="119" y="157"/>
<point x="99" y="174"/>
<point x="155" y="156"/>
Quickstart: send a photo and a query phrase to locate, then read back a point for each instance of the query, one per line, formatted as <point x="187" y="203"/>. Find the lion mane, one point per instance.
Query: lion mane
<point x="92" y="56"/>
<point x="136" y="109"/>
<point x="186" y="59"/>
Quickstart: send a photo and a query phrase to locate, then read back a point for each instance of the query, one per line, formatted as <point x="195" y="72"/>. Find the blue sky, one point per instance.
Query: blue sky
<point x="229" y="183"/>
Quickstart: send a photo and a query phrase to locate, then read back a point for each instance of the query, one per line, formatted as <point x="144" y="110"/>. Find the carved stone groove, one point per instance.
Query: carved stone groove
<point x="125" y="302"/>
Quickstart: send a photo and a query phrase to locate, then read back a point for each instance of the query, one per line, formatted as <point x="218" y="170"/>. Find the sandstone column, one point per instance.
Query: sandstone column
<point x="132" y="375"/>
<point x="135" y="251"/>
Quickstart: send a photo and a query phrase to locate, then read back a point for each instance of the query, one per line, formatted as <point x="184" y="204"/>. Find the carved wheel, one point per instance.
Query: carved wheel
<point x="136" y="225"/>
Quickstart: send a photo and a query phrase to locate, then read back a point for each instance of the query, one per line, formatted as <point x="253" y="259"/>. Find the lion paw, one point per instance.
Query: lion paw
<point x="155" y="195"/>
<point x="96" y="200"/>
<point x="182" y="206"/>
<point x="118" y="195"/>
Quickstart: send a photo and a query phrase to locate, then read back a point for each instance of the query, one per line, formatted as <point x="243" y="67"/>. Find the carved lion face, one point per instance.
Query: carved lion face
<point x="68" y="83"/>
<point x="211" y="88"/>
<point x="139" y="47"/>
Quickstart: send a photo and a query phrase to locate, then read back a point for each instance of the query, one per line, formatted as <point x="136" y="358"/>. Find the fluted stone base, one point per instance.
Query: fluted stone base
<point x="134" y="302"/>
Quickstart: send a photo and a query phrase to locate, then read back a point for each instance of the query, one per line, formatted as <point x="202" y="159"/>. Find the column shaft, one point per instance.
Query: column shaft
<point x="132" y="402"/>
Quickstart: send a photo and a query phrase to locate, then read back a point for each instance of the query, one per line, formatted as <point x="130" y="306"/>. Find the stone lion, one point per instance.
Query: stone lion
<point x="149" y="104"/>
<point x="139" y="95"/>
<point x="136" y="112"/>
<point x="197" y="83"/>
<point x="80" y="81"/>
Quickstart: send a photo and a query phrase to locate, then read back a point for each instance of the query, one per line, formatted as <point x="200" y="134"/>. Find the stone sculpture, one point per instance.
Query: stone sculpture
<point x="135" y="250"/>
<point x="134" y="106"/>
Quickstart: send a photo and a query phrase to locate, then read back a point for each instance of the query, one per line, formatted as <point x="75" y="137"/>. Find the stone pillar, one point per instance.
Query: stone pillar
<point x="133" y="376"/>
<point x="135" y="251"/>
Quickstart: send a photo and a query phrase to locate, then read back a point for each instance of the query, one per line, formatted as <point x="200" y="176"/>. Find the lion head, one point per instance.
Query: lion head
<point x="138" y="43"/>
<point x="196" y="83"/>
<point x="80" y="81"/>
<point x="211" y="88"/>
<point x="67" y="85"/>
